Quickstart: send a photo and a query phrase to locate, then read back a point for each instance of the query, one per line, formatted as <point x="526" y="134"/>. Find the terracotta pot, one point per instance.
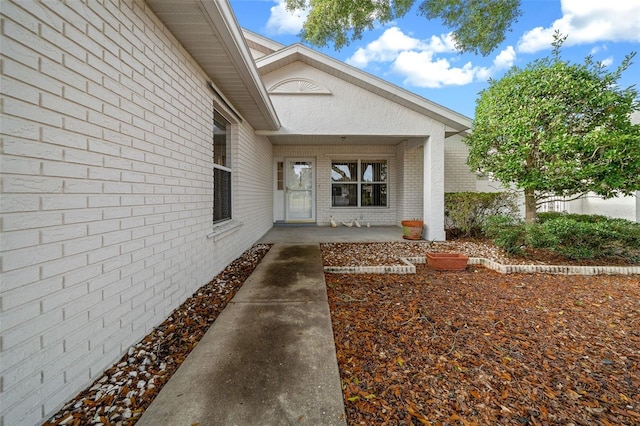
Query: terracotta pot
<point x="412" y="229"/>
<point x="447" y="261"/>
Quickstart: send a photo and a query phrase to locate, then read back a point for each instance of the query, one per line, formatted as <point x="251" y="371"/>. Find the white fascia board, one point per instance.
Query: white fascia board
<point x="269" y="46"/>
<point x="224" y="22"/>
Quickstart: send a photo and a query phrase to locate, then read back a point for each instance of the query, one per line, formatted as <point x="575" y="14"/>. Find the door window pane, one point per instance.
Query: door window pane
<point x="301" y="176"/>
<point x="300" y="190"/>
<point x="280" y="176"/>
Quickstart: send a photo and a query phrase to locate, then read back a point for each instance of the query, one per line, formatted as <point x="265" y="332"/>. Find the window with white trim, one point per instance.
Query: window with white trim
<point x="221" y="168"/>
<point x="359" y="183"/>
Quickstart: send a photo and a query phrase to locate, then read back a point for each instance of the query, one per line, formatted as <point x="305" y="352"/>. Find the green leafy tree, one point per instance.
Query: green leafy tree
<point x="556" y="128"/>
<point x="478" y="26"/>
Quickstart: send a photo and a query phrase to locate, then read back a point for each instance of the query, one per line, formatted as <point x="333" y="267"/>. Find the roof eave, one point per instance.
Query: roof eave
<point x="225" y="24"/>
<point x="208" y="30"/>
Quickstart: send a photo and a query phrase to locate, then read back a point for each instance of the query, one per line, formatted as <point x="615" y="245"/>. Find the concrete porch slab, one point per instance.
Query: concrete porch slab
<point x="327" y="234"/>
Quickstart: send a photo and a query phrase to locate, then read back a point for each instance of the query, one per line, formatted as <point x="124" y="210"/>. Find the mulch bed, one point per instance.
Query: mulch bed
<point x="434" y="348"/>
<point x="478" y="347"/>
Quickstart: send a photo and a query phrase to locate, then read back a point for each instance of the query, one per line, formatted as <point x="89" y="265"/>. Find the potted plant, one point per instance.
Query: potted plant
<point x="447" y="261"/>
<point x="412" y="229"/>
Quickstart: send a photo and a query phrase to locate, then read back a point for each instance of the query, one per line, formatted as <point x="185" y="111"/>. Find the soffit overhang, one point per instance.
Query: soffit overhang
<point x="208" y="30"/>
<point x="279" y="138"/>
<point x="454" y="122"/>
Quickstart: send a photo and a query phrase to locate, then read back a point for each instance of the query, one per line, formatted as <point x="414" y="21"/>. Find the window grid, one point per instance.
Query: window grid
<point x="359" y="183"/>
<point x="221" y="168"/>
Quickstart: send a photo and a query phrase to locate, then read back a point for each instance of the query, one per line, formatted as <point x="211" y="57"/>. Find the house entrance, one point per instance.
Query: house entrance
<point x="300" y="190"/>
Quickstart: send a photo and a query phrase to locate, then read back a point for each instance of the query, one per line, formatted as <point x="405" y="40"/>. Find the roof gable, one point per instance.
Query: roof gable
<point x="454" y="122"/>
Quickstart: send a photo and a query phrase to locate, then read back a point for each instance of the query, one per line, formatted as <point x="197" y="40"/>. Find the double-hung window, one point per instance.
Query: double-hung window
<point x="359" y="183"/>
<point x="221" y="168"/>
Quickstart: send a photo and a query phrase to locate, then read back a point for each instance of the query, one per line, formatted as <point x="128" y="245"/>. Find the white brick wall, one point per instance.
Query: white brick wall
<point x="106" y="192"/>
<point x="457" y="175"/>
<point x="412" y="177"/>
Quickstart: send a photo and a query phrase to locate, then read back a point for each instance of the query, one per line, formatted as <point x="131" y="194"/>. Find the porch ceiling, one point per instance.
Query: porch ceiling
<point x="339" y="140"/>
<point x="209" y="32"/>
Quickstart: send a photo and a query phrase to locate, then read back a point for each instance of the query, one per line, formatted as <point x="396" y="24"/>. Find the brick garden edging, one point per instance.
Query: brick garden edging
<point x="410" y="268"/>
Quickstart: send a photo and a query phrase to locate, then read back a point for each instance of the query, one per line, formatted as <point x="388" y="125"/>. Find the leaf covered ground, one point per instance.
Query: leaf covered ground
<point x="479" y="347"/>
<point x="429" y="348"/>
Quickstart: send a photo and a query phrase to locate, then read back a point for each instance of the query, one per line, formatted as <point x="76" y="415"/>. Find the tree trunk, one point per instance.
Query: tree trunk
<point x="529" y="206"/>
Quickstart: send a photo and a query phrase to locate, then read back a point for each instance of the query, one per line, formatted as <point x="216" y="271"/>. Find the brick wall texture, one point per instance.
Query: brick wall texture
<point x="106" y="179"/>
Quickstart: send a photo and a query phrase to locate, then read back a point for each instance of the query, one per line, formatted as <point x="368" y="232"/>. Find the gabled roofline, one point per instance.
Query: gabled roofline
<point x="456" y="122"/>
<point x="261" y="43"/>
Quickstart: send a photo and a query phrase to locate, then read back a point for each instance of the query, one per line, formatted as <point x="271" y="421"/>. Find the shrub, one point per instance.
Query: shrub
<point x="467" y="212"/>
<point x="506" y="231"/>
<point x="586" y="237"/>
<point x="589" y="218"/>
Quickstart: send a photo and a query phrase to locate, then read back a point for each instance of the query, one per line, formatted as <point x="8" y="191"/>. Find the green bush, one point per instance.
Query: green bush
<point x="589" y="218"/>
<point x="466" y="212"/>
<point x="573" y="236"/>
<point x="507" y="232"/>
<point x="586" y="237"/>
<point x="543" y="217"/>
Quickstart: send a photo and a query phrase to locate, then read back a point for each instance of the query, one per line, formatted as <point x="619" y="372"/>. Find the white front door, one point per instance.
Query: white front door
<point x="300" y="188"/>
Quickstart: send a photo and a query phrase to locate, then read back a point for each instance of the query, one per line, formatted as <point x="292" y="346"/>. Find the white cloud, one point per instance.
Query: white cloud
<point x="588" y="21"/>
<point x="607" y="61"/>
<point x="423" y="63"/>
<point x="597" y="49"/>
<point x="421" y="69"/>
<point x="392" y="42"/>
<point x="282" y="21"/>
<point x="505" y="59"/>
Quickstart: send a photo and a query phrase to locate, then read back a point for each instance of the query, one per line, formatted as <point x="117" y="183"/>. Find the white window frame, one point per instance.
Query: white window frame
<point x="226" y="168"/>
<point x="359" y="183"/>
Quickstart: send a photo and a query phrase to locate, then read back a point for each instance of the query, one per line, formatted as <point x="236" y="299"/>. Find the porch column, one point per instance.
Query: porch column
<point x="433" y="197"/>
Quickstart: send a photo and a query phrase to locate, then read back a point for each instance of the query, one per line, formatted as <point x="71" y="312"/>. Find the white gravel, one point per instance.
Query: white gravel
<point x="389" y="254"/>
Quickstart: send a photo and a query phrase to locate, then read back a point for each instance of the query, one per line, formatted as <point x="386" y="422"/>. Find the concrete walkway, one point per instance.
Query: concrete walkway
<point x="268" y="359"/>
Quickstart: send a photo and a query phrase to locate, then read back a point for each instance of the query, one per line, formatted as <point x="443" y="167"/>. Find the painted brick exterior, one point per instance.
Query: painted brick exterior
<point x="412" y="176"/>
<point x="106" y="192"/>
<point x="457" y="175"/>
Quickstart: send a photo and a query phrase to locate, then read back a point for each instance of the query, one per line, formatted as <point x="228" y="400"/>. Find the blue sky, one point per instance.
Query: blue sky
<point x="417" y="54"/>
